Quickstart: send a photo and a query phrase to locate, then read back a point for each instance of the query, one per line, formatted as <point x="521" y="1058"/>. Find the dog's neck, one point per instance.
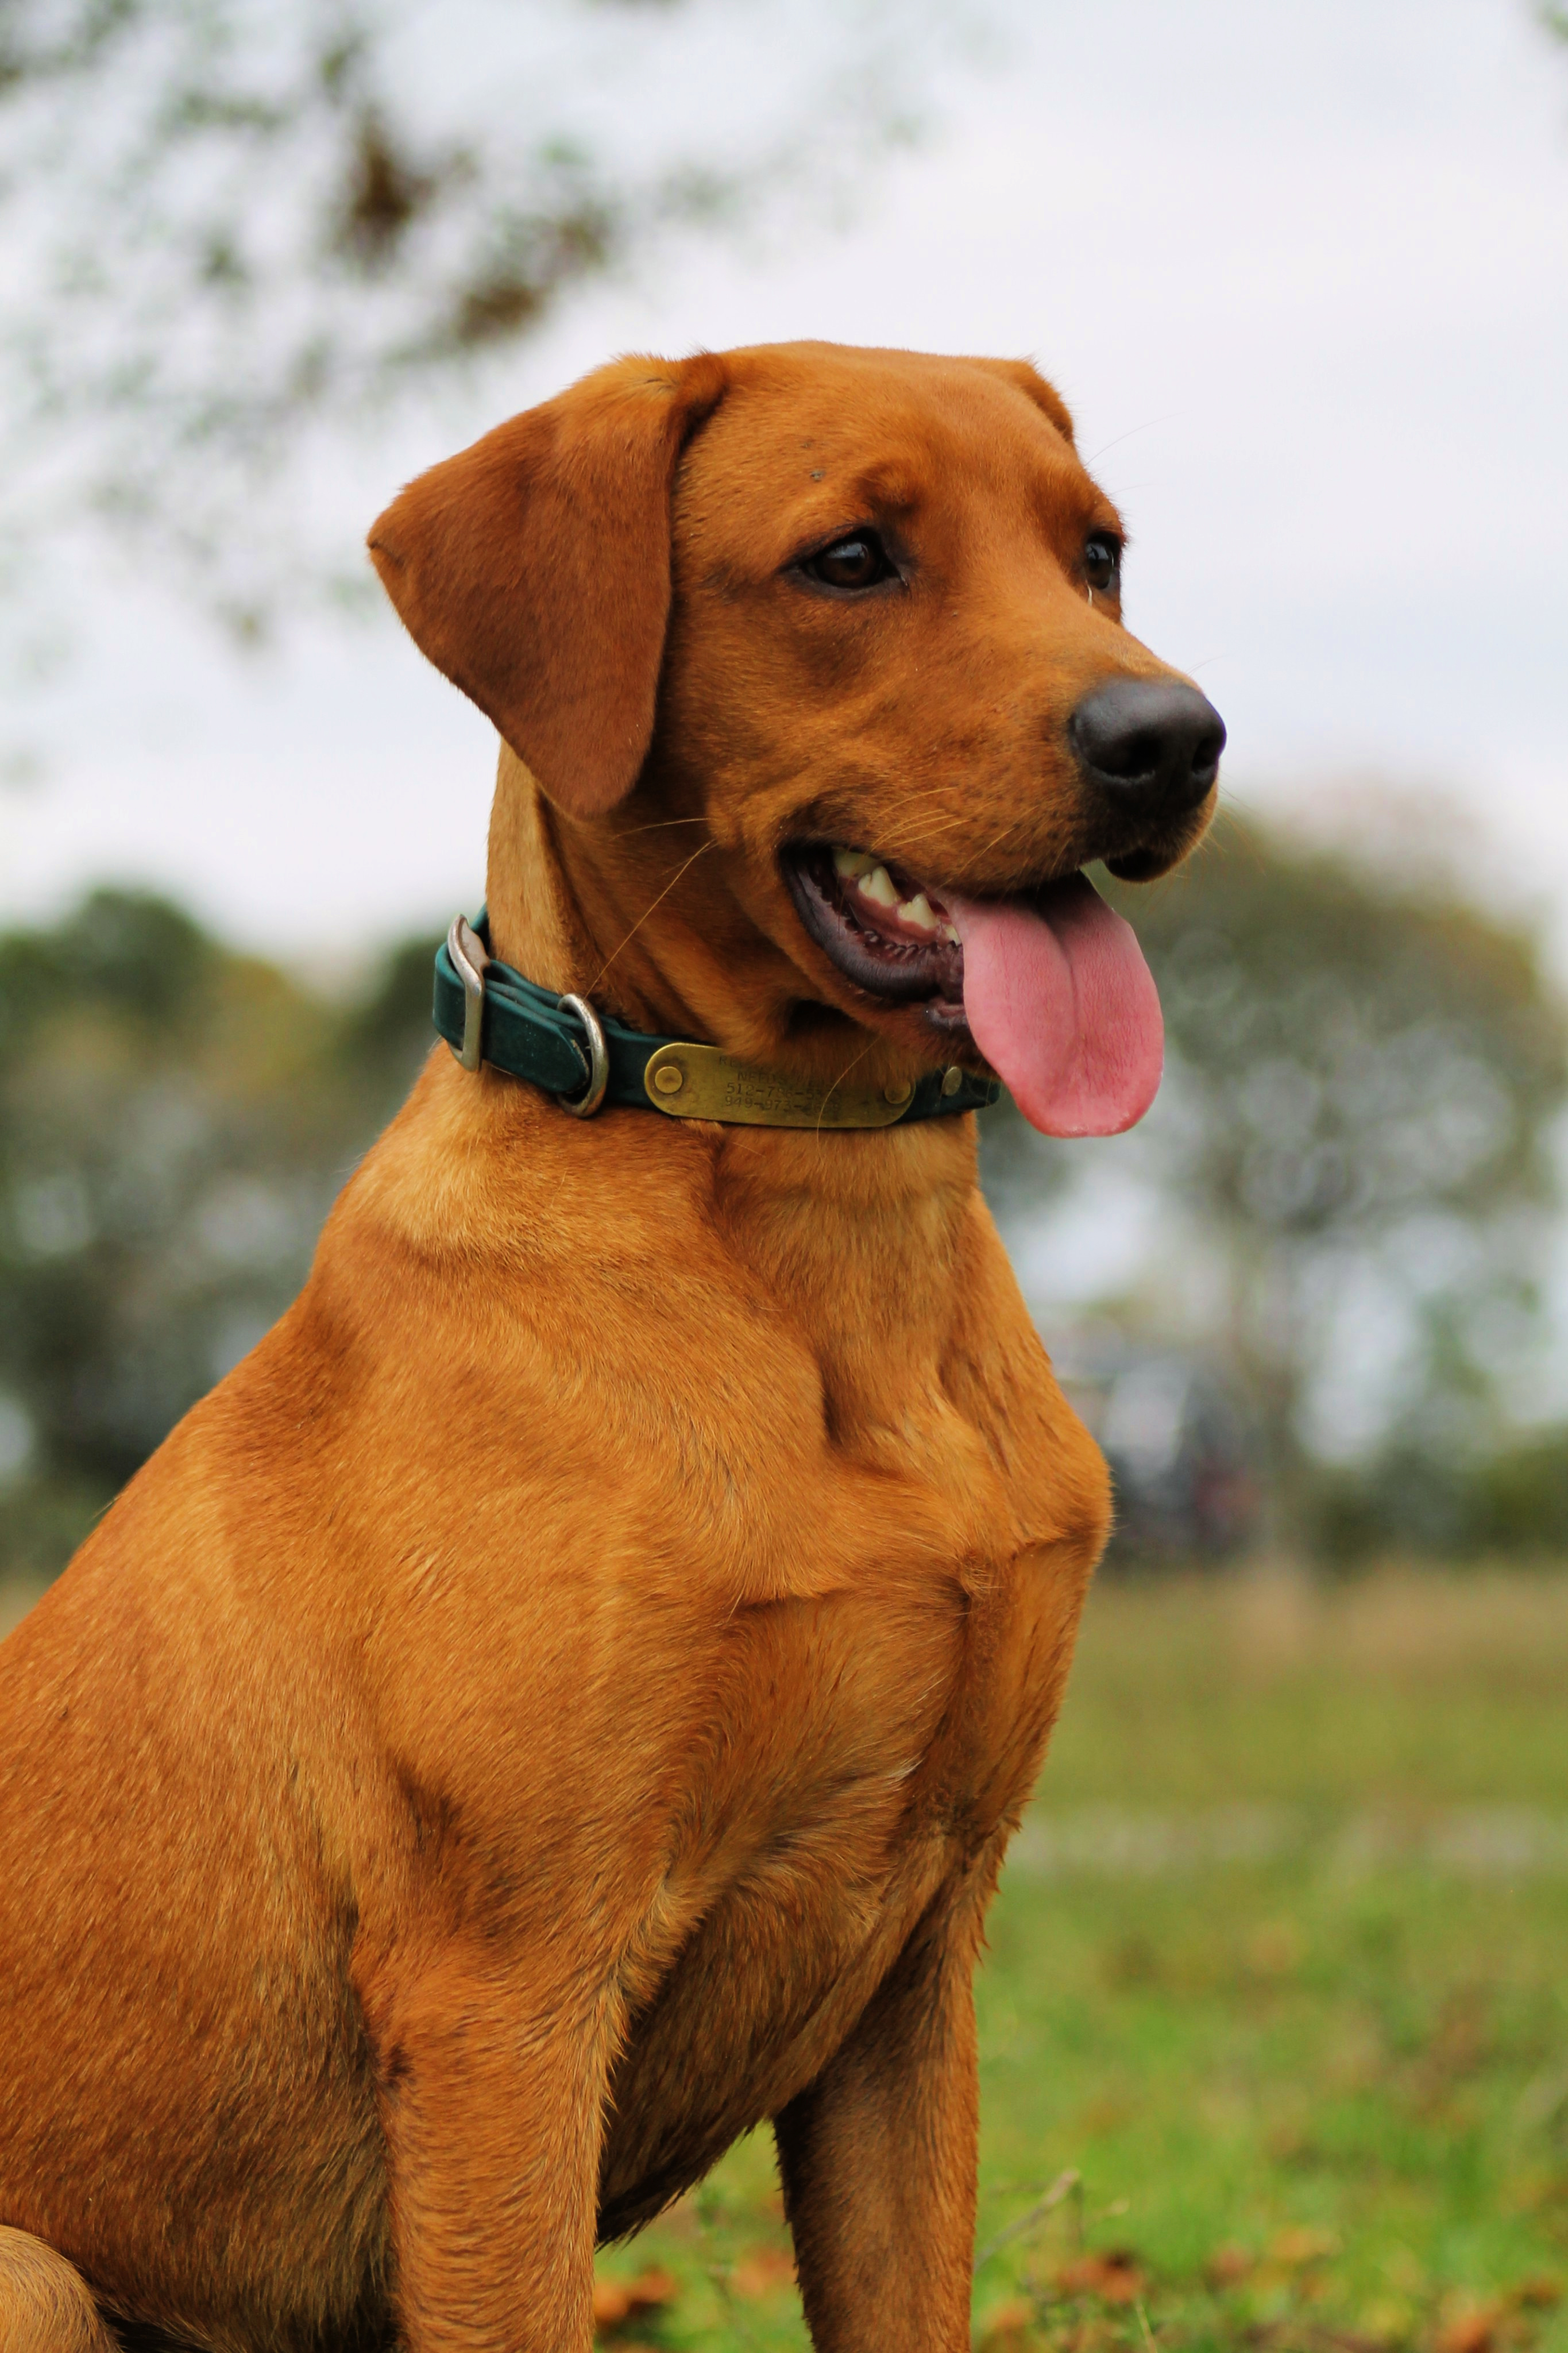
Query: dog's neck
<point x="631" y="914"/>
<point x="537" y="922"/>
<point x="561" y="911"/>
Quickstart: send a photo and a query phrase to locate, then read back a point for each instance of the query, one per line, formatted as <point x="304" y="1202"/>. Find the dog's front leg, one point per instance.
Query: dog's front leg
<point x="878" y="2156"/>
<point x="491" y="2088"/>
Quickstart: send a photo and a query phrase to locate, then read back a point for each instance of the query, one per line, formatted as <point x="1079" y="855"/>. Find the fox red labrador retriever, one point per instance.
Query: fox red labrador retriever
<point x="564" y="1697"/>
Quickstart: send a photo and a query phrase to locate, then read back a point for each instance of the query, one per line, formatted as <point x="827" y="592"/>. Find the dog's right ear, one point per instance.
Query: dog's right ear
<point x="533" y="569"/>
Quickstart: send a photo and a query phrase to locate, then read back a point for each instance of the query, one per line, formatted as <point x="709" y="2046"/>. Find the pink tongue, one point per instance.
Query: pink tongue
<point x="1063" y="1006"/>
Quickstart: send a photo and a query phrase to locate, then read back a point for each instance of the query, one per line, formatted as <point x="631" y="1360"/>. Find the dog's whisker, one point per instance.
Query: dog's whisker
<point x="647" y="912"/>
<point x="927" y="837"/>
<point x="920" y="840"/>
<point x="838" y="1081"/>
<point x="921" y="836"/>
<point x="657" y="824"/>
<point x="937" y="829"/>
<point x="998" y="839"/>
<point x="1131" y="432"/>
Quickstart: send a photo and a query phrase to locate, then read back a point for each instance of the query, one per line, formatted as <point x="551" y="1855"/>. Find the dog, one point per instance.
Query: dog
<point x="564" y="1697"/>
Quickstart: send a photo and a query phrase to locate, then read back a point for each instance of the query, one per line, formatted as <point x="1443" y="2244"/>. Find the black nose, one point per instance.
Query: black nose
<point x="1153" y="742"/>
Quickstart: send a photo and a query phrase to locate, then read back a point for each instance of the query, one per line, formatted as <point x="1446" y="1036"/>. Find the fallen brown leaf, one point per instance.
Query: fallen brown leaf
<point x="617" y="2301"/>
<point x="1537" y="2294"/>
<point x="762" y="2272"/>
<point x="1469" y="2327"/>
<point x="1114" y="2276"/>
<point x="1227" y="2264"/>
<point x="1007" y="2327"/>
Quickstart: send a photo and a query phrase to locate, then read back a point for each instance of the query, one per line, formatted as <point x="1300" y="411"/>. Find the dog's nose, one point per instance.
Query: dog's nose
<point x="1150" y="741"/>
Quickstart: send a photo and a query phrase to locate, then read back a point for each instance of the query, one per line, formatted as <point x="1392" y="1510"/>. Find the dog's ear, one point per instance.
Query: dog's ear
<point x="534" y="569"/>
<point x="1033" y="385"/>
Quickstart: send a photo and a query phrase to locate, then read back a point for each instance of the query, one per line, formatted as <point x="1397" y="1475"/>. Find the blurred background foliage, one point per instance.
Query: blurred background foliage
<point x="1336" y="1339"/>
<point x="240" y="233"/>
<point x="176" y="1119"/>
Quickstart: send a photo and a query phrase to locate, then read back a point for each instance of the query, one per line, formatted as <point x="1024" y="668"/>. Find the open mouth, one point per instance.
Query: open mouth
<point x="1049" y="985"/>
<point x="884" y="930"/>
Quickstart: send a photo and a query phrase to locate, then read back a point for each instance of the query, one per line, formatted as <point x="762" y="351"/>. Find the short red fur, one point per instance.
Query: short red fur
<point x="566" y="1696"/>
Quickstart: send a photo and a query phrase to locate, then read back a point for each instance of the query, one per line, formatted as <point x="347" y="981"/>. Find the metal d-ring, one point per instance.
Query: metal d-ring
<point x="469" y="958"/>
<point x="585" y="1105"/>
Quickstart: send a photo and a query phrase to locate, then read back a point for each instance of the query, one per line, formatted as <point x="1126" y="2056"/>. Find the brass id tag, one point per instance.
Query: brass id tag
<point x="700" y="1082"/>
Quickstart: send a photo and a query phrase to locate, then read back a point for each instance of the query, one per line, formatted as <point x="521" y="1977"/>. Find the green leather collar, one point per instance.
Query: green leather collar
<point x="487" y="1012"/>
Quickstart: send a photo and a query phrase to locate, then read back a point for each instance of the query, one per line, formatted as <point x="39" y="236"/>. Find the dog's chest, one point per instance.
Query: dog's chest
<point x="886" y="1734"/>
<point x="883" y="1505"/>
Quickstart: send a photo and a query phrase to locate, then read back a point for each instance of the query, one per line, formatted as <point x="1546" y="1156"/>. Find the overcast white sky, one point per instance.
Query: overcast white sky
<point x="1301" y="270"/>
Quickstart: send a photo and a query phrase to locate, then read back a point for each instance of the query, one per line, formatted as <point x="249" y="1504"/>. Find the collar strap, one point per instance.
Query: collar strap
<point x="487" y="1012"/>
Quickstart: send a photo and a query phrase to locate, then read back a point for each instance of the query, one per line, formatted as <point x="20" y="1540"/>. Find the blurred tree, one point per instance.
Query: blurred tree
<point x="234" y="228"/>
<point x="1353" y="1159"/>
<point x="175" y="1121"/>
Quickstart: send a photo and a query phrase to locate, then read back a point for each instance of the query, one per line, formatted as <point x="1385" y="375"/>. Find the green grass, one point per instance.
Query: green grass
<point x="1279" y="1970"/>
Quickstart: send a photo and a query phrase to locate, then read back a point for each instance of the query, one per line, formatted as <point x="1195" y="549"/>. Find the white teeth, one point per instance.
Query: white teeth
<point x="873" y="881"/>
<point x="851" y="864"/>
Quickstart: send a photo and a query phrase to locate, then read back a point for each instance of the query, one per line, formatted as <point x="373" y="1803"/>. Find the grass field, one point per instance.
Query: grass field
<point x="1278" y="1979"/>
<point x="1279" y="1972"/>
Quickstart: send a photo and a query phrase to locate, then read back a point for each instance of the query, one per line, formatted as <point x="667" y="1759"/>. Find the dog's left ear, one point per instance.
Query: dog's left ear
<point x="1033" y="385"/>
<point x="533" y="569"/>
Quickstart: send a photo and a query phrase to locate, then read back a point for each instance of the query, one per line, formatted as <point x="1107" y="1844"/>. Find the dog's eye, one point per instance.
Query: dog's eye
<point x="858" y="561"/>
<point x="1103" y="562"/>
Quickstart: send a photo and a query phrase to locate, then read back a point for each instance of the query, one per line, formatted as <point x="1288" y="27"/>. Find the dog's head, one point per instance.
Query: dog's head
<point x="855" y="618"/>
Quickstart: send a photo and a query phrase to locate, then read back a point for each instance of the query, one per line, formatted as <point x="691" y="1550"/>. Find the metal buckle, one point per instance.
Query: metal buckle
<point x="585" y="1105"/>
<point x="471" y="958"/>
